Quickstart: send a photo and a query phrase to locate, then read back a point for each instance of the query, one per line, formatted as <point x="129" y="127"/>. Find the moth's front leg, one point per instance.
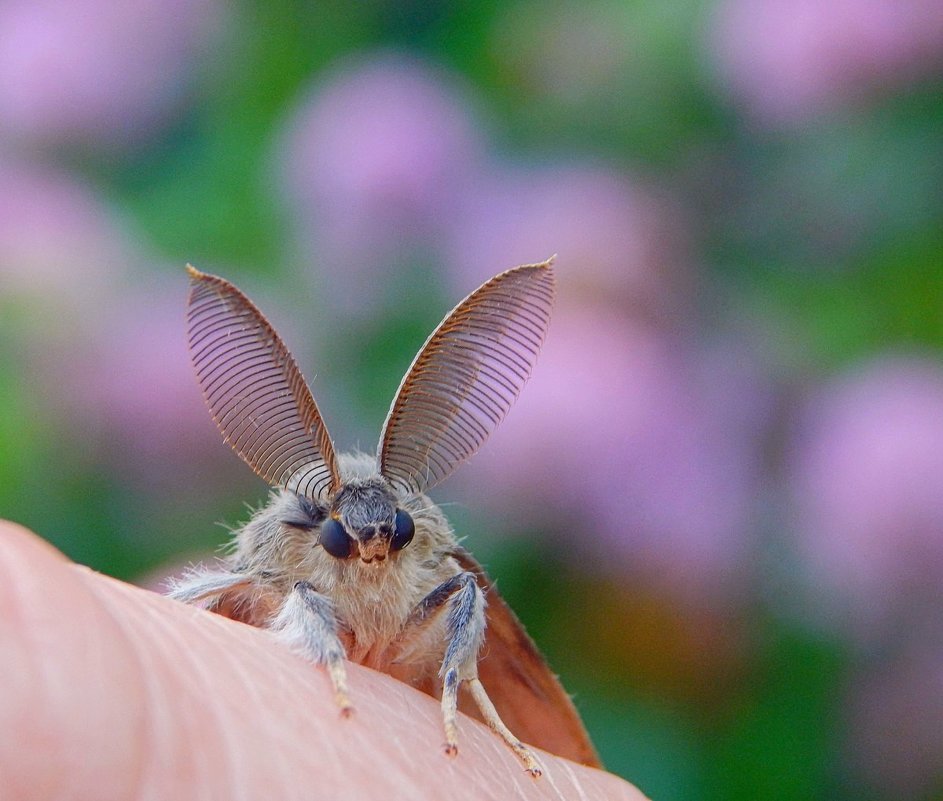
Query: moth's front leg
<point x="465" y="631"/>
<point x="306" y="623"/>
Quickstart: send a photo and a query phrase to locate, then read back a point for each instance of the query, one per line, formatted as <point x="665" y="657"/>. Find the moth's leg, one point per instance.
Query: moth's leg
<point x="490" y="714"/>
<point x="204" y="585"/>
<point x="465" y="630"/>
<point x="307" y="624"/>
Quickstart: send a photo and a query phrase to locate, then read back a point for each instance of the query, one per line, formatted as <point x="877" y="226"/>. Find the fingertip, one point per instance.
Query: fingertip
<point x="19" y="545"/>
<point x="62" y="683"/>
<point x="113" y="691"/>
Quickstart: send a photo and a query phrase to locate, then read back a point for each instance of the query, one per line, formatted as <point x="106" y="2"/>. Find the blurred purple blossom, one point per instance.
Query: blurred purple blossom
<point x="97" y="73"/>
<point x="621" y="440"/>
<point x="787" y="60"/>
<point x="60" y="245"/>
<point x="617" y="242"/>
<point x="128" y="392"/>
<point x="867" y="488"/>
<point x="374" y="160"/>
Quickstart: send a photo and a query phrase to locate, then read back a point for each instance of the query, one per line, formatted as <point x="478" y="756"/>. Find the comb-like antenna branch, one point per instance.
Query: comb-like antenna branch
<point x="465" y="378"/>
<point x="255" y="391"/>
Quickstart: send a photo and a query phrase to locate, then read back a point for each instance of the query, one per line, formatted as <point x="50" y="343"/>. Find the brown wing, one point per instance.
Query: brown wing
<point x="255" y="391"/>
<point x="528" y="696"/>
<point x="465" y="378"/>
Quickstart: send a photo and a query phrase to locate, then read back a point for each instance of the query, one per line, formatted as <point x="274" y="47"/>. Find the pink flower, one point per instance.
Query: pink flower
<point x="374" y="160"/>
<point x="128" y="393"/>
<point x="60" y="245"/>
<point x="617" y="242"/>
<point x="100" y="72"/>
<point x="867" y="488"/>
<point x="787" y="60"/>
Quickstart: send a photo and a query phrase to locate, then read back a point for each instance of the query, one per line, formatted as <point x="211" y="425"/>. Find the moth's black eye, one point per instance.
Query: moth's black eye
<point x="405" y="528"/>
<point x="334" y="539"/>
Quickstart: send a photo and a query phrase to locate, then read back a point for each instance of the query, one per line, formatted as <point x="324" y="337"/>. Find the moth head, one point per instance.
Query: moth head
<point x="364" y="521"/>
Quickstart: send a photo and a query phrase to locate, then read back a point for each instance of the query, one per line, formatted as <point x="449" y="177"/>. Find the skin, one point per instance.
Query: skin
<point x="113" y="692"/>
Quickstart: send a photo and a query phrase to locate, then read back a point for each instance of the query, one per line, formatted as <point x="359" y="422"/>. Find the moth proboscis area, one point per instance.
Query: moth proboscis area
<point x="350" y="559"/>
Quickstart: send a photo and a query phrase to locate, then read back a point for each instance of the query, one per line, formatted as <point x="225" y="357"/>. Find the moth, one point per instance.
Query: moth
<point x="350" y="559"/>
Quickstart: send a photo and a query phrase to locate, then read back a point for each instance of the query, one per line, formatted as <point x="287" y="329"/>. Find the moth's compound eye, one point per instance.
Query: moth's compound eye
<point x="334" y="539"/>
<point x="405" y="528"/>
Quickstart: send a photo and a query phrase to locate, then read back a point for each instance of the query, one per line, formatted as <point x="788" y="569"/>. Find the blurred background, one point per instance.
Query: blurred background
<point x="718" y="505"/>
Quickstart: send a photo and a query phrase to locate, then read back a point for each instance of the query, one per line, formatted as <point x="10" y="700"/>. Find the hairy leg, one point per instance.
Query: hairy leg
<point x="307" y="624"/>
<point x="465" y="631"/>
<point x="207" y="585"/>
